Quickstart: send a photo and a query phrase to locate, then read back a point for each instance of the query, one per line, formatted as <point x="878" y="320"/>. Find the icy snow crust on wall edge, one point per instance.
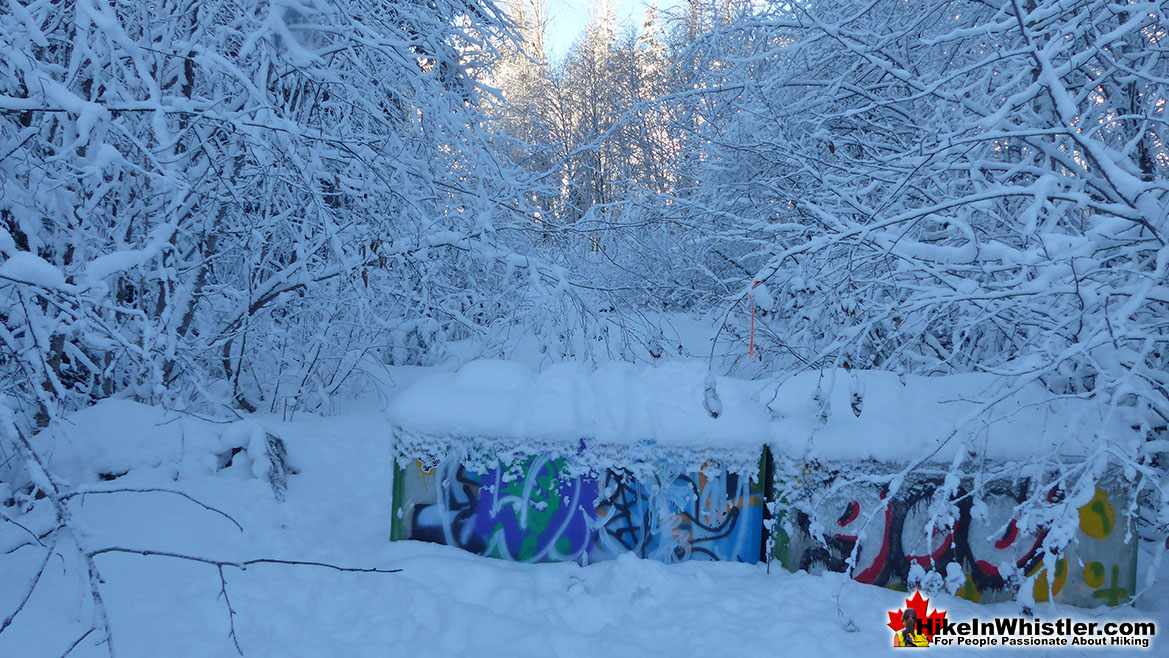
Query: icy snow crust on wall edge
<point x="584" y="456"/>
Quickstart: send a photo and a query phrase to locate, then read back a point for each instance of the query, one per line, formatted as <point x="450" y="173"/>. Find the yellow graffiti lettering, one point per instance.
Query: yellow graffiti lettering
<point x="1097" y="517"/>
<point x="1044" y="590"/>
<point x="970" y="591"/>
<point x="1094" y="574"/>
<point x="426" y="470"/>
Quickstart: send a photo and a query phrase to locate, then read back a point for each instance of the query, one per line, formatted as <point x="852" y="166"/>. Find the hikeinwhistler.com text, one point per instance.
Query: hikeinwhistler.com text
<point x="1035" y="632"/>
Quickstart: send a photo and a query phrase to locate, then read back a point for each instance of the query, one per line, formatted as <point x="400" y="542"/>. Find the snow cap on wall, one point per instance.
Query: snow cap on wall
<point x="618" y="405"/>
<point x="841" y="415"/>
<point x="824" y="415"/>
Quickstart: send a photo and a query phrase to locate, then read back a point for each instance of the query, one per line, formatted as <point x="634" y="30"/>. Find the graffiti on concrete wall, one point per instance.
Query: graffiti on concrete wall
<point x="539" y="510"/>
<point x="983" y="553"/>
<point x="681" y="517"/>
<point x="536" y="511"/>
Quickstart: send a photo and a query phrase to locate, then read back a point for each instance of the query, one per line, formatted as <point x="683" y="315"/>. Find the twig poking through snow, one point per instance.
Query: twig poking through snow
<point x="243" y="565"/>
<point x="220" y="564"/>
<point x="31" y="587"/>
<point x="230" y="611"/>
<point x="77" y="642"/>
<point x="155" y="490"/>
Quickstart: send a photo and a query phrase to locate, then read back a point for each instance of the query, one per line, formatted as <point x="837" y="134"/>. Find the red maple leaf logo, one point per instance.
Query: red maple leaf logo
<point x="930" y="622"/>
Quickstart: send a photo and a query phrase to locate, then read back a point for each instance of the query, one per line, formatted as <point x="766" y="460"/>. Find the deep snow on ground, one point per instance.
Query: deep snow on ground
<point x="444" y="602"/>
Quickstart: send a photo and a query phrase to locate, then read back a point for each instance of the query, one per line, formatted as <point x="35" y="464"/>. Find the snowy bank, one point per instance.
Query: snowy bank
<point x="445" y="601"/>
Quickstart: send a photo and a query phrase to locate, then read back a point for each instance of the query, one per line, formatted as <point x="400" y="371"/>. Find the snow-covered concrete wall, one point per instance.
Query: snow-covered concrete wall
<point x="541" y="509"/>
<point x="571" y="463"/>
<point x="986" y="553"/>
<point x="536" y="509"/>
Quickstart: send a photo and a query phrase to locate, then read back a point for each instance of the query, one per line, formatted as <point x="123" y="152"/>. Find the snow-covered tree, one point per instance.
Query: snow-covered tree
<point x="939" y="187"/>
<point x="248" y="202"/>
